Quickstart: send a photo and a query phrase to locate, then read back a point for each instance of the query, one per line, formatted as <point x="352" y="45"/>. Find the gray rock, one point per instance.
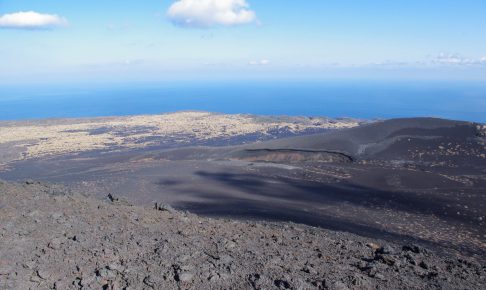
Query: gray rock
<point x="164" y="207"/>
<point x="386" y="250"/>
<point x="149" y="282"/>
<point x="112" y="197"/>
<point x="106" y="273"/>
<point x="5" y="269"/>
<point x="88" y="280"/>
<point x="44" y="274"/>
<point x="380" y="276"/>
<point x="186" y="277"/>
<point x="338" y="286"/>
<point x="55" y="243"/>
<point x="424" y="265"/>
<point x="282" y="284"/>
<point x="411" y="248"/>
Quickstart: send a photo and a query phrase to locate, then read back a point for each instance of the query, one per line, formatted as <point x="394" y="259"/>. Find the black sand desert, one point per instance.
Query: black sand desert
<point x="195" y="200"/>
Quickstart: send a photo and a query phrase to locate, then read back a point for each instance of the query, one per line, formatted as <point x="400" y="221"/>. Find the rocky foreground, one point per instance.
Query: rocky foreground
<point x="51" y="239"/>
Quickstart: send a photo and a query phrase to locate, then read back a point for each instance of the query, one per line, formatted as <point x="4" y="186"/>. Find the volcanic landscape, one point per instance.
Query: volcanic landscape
<point x="198" y="200"/>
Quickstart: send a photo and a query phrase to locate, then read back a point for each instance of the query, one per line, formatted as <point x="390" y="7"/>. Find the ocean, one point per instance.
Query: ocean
<point x="357" y="99"/>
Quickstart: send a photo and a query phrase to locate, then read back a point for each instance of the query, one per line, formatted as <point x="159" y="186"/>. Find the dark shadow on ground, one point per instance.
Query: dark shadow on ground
<point x="338" y="193"/>
<point x="296" y="201"/>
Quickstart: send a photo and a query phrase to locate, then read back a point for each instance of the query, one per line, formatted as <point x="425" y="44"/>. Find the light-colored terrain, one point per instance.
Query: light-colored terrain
<point x="23" y="140"/>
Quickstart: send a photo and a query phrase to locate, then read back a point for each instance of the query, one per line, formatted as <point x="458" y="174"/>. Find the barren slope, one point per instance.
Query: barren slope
<point x="50" y="240"/>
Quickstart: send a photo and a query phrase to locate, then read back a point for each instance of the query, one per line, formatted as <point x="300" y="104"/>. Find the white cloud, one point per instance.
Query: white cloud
<point x="259" y="62"/>
<point x="454" y="59"/>
<point x="31" y="20"/>
<point x="208" y="13"/>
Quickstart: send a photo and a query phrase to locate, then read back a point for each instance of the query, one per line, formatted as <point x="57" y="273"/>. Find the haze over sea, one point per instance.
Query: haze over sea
<point x="363" y="99"/>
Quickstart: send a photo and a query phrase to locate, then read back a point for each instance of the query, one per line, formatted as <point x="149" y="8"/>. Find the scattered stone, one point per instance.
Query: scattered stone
<point x="411" y="248"/>
<point x="164" y="207"/>
<point x="385" y="250"/>
<point x="115" y="267"/>
<point x="112" y="198"/>
<point x="130" y="247"/>
<point x="57" y="215"/>
<point x="424" y="265"/>
<point x="186" y="277"/>
<point x="361" y="282"/>
<point x="386" y="259"/>
<point x="44" y="274"/>
<point x="254" y="279"/>
<point x="309" y="269"/>
<point x="380" y="276"/>
<point x="339" y="286"/>
<point x="62" y="285"/>
<point x="5" y="269"/>
<point x="29" y="265"/>
<point x="282" y="284"/>
<point x="373" y="246"/>
<point x="148" y="281"/>
<point x="87" y="280"/>
<point x="55" y="244"/>
<point x="106" y="273"/>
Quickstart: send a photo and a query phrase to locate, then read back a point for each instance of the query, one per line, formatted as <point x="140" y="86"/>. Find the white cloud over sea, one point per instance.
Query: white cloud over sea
<point x="31" y="20"/>
<point x="259" y="62"/>
<point x="209" y="13"/>
<point x="457" y="59"/>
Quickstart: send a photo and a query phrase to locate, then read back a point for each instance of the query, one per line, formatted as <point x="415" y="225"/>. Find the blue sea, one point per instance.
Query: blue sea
<point x="358" y="99"/>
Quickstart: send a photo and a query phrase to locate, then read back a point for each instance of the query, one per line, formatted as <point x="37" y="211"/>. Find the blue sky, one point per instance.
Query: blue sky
<point x="107" y="40"/>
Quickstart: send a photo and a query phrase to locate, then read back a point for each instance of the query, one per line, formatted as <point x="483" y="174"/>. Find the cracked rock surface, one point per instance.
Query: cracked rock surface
<point x="51" y="238"/>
